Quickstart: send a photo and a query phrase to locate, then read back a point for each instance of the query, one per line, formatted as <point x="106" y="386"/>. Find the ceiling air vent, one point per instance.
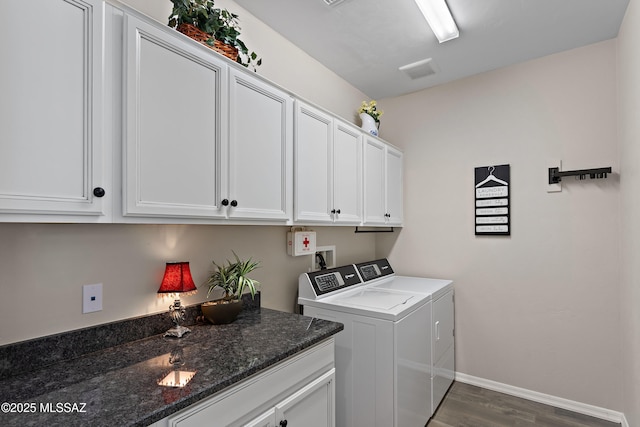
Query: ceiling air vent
<point x="333" y="2"/>
<point x="423" y="68"/>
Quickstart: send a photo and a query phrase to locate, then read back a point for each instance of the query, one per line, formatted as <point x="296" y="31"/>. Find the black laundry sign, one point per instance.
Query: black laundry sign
<point x="492" y="195"/>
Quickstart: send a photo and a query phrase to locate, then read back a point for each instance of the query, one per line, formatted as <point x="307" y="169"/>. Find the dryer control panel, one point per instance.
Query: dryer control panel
<point x="373" y="269"/>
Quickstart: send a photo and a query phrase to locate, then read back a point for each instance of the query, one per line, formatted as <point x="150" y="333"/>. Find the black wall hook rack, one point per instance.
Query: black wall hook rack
<point x="374" y="230"/>
<point x="555" y="176"/>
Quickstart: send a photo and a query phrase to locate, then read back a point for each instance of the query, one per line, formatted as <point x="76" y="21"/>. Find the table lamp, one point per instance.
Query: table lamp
<point x="177" y="280"/>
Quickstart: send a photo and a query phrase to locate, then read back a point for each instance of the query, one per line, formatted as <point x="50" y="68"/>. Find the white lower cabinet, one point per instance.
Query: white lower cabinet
<point x="311" y="406"/>
<point x="300" y="391"/>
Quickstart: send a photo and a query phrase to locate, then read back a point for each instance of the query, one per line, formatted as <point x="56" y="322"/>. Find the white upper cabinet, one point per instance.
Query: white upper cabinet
<point x="52" y="157"/>
<point x="174" y="124"/>
<point x="394" y="170"/>
<point x="328" y="172"/>
<point x="383" y="170"/>
<point x="201" y="141"/>
<point x="120" y="118"/>
<point x="347" y="173"/>
<point x="260" y="150"/>
<point x="313" y="168"/>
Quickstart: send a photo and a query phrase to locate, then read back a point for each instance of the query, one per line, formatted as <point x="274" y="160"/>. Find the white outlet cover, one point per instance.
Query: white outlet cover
<point x="553" y="188"/>
<point x="92" y="298"/>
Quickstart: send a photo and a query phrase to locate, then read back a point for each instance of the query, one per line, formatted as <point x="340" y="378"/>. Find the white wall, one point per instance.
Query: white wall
<point x="629" y="134"/>
<point x="539" y="309"/>
<point x="43" y="266"/>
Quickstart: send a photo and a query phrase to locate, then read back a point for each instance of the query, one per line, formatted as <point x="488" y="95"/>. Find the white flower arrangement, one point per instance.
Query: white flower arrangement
<point x="371" y="109"/>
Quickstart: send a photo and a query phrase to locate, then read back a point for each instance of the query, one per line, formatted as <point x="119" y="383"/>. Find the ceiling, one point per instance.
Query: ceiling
<point x="366" y="41"/>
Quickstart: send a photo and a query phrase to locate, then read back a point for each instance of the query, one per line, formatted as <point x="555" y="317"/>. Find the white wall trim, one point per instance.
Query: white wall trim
<point x="558" y="402"/>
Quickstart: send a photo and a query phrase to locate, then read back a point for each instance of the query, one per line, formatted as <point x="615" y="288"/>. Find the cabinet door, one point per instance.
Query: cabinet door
<point x="268" y="419"/>
<point x="51" y="79"/>
<point x="347" y="173"/>
<point x="394" y="170"/>
<point x="312" y="406"/>
<point x="313" y="164"/>
<point x="260" y="150"/>
<point x="374" y="182"/>
<point x="174" y="124"/>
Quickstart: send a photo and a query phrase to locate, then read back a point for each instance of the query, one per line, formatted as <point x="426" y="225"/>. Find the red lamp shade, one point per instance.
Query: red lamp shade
<point x="177" y="279"/>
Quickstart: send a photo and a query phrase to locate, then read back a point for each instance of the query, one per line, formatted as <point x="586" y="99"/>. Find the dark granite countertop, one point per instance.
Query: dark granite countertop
<point x="118" y="386"/>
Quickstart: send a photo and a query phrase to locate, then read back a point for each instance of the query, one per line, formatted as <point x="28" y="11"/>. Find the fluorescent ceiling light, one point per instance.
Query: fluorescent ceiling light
<point x="439" y="18"/>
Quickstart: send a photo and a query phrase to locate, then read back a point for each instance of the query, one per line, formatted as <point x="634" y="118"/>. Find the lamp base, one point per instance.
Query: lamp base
<point x="177" y="331"/>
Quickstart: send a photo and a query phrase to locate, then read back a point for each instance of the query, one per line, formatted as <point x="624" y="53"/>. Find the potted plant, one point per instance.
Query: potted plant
<point x="232" y="278"/>
<point x="370" y="116"/>
<point x="214" y="27"/>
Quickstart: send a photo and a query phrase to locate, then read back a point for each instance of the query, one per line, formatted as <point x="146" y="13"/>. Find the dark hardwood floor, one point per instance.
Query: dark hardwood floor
<point x="470" y="406"/>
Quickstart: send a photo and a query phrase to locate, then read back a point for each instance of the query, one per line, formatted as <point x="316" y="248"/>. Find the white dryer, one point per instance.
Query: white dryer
<point x="384" y="360"/>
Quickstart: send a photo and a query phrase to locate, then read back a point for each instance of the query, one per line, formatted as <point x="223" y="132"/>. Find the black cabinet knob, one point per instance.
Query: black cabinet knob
<point x="99" y="192"/>
<point x="234" y="203"/>
<point x="283" y="423"/>
<point x="338" y="211"/>
<point x="225" y="202"/>
<point x="333" y="211"/>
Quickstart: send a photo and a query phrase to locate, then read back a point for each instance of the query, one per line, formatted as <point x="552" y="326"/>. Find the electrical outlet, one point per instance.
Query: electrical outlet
<point x="92" y="298"/>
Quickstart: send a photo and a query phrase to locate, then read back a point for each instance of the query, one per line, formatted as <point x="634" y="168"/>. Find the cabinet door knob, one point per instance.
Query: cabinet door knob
<point x="234" y="203"/>
<point x="338" y="211"/>
<point x="283" y="423"/>
<point x="225" y="202"/>
<point x="333" y="211"/>
<point x="99" y="192"/>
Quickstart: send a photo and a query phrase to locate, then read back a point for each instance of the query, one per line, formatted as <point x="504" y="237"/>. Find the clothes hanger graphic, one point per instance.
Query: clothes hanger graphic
<point x="491" y="178"/>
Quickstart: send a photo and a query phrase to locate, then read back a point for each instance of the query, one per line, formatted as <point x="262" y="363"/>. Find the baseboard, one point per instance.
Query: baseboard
<point x="558" y="402"/>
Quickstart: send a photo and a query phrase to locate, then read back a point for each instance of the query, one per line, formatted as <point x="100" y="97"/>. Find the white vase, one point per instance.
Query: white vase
<point x="368" y="124"/>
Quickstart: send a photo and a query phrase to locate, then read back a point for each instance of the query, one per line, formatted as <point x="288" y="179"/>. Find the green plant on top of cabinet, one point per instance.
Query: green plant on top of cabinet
<point x="383" y="170"/>
<point x="327" y="168"/>
<point x="53" y="160"/>
<point x="219" y="24"/>
<point x="174" y="124"/>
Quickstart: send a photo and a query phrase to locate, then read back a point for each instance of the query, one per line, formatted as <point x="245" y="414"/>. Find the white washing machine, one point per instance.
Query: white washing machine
<point x="384" y="360"/>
